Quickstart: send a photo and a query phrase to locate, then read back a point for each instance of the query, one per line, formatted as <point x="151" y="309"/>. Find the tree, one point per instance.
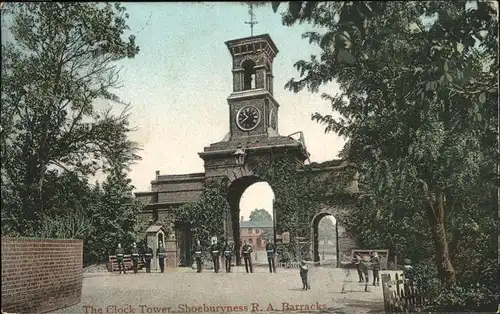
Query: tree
<point x="418" y="105"/>
<point x="205" y="216"/>
<point x="260" y="215"/>
<point x="57" y="60"/>
<point x="117" y="213"/>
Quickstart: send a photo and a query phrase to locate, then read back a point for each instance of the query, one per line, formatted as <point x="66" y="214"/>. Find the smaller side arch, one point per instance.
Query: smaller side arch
<point x="314" y="236"/>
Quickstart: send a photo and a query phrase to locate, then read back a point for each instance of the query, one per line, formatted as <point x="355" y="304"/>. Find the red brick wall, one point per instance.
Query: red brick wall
<point x="41" y="275"/>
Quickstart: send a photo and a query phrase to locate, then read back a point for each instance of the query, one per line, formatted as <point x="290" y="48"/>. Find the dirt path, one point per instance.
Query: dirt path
<point x="182" y="290"/>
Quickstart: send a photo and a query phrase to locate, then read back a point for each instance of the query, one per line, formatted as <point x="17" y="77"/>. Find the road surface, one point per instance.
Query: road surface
<point x="182" y="290"/>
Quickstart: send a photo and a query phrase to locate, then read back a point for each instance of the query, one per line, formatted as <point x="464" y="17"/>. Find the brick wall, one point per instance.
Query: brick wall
<point x="41" y="275"/>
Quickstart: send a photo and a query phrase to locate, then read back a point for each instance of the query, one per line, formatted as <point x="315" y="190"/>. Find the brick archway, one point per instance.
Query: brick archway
<point x="260" y="143"/>
<point x="236" y="188"/>
<point x="314" y="236"/>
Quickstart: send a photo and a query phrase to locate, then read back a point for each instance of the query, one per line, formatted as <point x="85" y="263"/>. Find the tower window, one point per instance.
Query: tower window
<point x="248" y="74"/>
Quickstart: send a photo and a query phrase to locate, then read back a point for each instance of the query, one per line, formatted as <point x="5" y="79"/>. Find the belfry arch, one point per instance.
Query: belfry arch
<point x="248" y="74"/>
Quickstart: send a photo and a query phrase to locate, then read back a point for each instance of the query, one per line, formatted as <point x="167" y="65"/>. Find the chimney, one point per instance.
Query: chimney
<point x="157" y="173"/>
<point x="241" y="218"/>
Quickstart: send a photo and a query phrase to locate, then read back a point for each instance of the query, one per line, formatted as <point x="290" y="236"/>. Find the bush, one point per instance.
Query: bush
<point x="465" y="296"/>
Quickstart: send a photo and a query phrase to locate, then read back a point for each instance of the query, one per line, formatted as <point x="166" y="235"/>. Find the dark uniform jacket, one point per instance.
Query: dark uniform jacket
<point x="303" y="271"/>
<point x="119" y="254"/>
<point x="408" y="272"/>
<point x="197" y="251"/>
<point x="228" y="250"/>
<point x="148" y="253"/>
<point x="270" y="250"/>
<point x="364" y="265"/>
<point x="135" y="254"/>
<point x="214" y="249"/>
<point x="357" y="261"/>
<point x="160" y="252"/>
<point x="246" y="250"/>
<point x="375" y="262"/>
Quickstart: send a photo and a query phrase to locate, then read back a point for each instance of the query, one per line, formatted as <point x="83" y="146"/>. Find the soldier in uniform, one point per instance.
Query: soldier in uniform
<point x="197" y="255"/>
<point x="228" y="256"/>
<point x="161" y="257"/>
<point x="214" y="248"/>
<point x="119" y="258"/>
<point x="271" y="250"/>
<point x="246" y="251"/>
<point x="375" y="268"/>
<point x="408" y="272"/>
<point x="357" y="261"/>
<point x="364" y="266"/>
<point x="304" y="270"/>
<point x="135" y="257"/>
<point x="148" y="255"/>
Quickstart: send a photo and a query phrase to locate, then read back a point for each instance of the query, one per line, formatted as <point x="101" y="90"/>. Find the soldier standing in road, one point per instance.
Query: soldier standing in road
<point x="119" y="258"/>
<point x="357" y="261"/>
<point x="247" y="255"/>
<point x="197" y="255"/>
<point x="365" y="265"/>
<point x="228" y="256"/>
<point x="135" y="257"/>
<point x="304" y="270"/>
<point x="271" y="250"/>
<point x="148" y="255"/>
<point x="375" y="268"/>
<point x="215" y="255"/>
<point x="161" y="257"/>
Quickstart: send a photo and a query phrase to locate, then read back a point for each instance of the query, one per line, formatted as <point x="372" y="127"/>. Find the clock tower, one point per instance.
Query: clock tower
<point x="253" y="112"/>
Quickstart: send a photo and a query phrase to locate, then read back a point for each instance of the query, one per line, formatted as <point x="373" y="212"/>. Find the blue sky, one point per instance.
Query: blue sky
<point x="179" y="82"/>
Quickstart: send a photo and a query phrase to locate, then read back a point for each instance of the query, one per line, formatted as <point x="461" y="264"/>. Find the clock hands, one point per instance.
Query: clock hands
<point x="247" y="118"/>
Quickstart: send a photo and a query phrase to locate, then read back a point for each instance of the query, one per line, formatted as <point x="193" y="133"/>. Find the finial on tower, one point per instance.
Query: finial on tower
<point x="252" y="20"/>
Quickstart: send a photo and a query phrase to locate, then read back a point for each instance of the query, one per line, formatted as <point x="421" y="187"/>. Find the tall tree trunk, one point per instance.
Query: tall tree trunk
<point x="435" y="213"/>
<point x="31" y="198"/>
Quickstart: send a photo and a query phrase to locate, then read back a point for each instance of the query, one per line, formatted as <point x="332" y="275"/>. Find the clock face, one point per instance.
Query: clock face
<point x="248" y="118"/>
<point x="273" y="119"/>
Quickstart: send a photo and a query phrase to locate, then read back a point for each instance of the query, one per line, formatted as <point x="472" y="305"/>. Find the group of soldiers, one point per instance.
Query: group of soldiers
<point x="228" y="253"/>
<point x="373" y="261"/>
<point x="215" y="251"/>
<point x="147" y="256"/>
<point x="364" y="263"/>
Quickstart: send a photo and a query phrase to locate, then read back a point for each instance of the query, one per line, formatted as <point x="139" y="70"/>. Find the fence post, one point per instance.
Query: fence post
<point x="385" y="290"/>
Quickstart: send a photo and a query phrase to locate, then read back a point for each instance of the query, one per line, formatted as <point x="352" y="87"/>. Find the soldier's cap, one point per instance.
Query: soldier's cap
<point x="407" y="261"/>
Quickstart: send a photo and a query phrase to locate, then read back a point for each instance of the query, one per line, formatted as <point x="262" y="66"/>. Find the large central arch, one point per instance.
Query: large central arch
<point x="236" y="189"/>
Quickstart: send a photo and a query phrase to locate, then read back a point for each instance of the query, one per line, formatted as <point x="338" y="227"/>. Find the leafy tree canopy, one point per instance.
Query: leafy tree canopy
<point x="419" y="87"/>
<point x="58" y="59"/>
<point x="260" y="215"/>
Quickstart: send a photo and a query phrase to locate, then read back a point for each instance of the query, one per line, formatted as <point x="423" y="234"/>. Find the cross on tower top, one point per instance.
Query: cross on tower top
<point x="252" y="21"/>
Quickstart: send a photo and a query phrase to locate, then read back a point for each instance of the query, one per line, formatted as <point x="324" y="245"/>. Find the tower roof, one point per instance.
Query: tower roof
<point x="252" y="40"/>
